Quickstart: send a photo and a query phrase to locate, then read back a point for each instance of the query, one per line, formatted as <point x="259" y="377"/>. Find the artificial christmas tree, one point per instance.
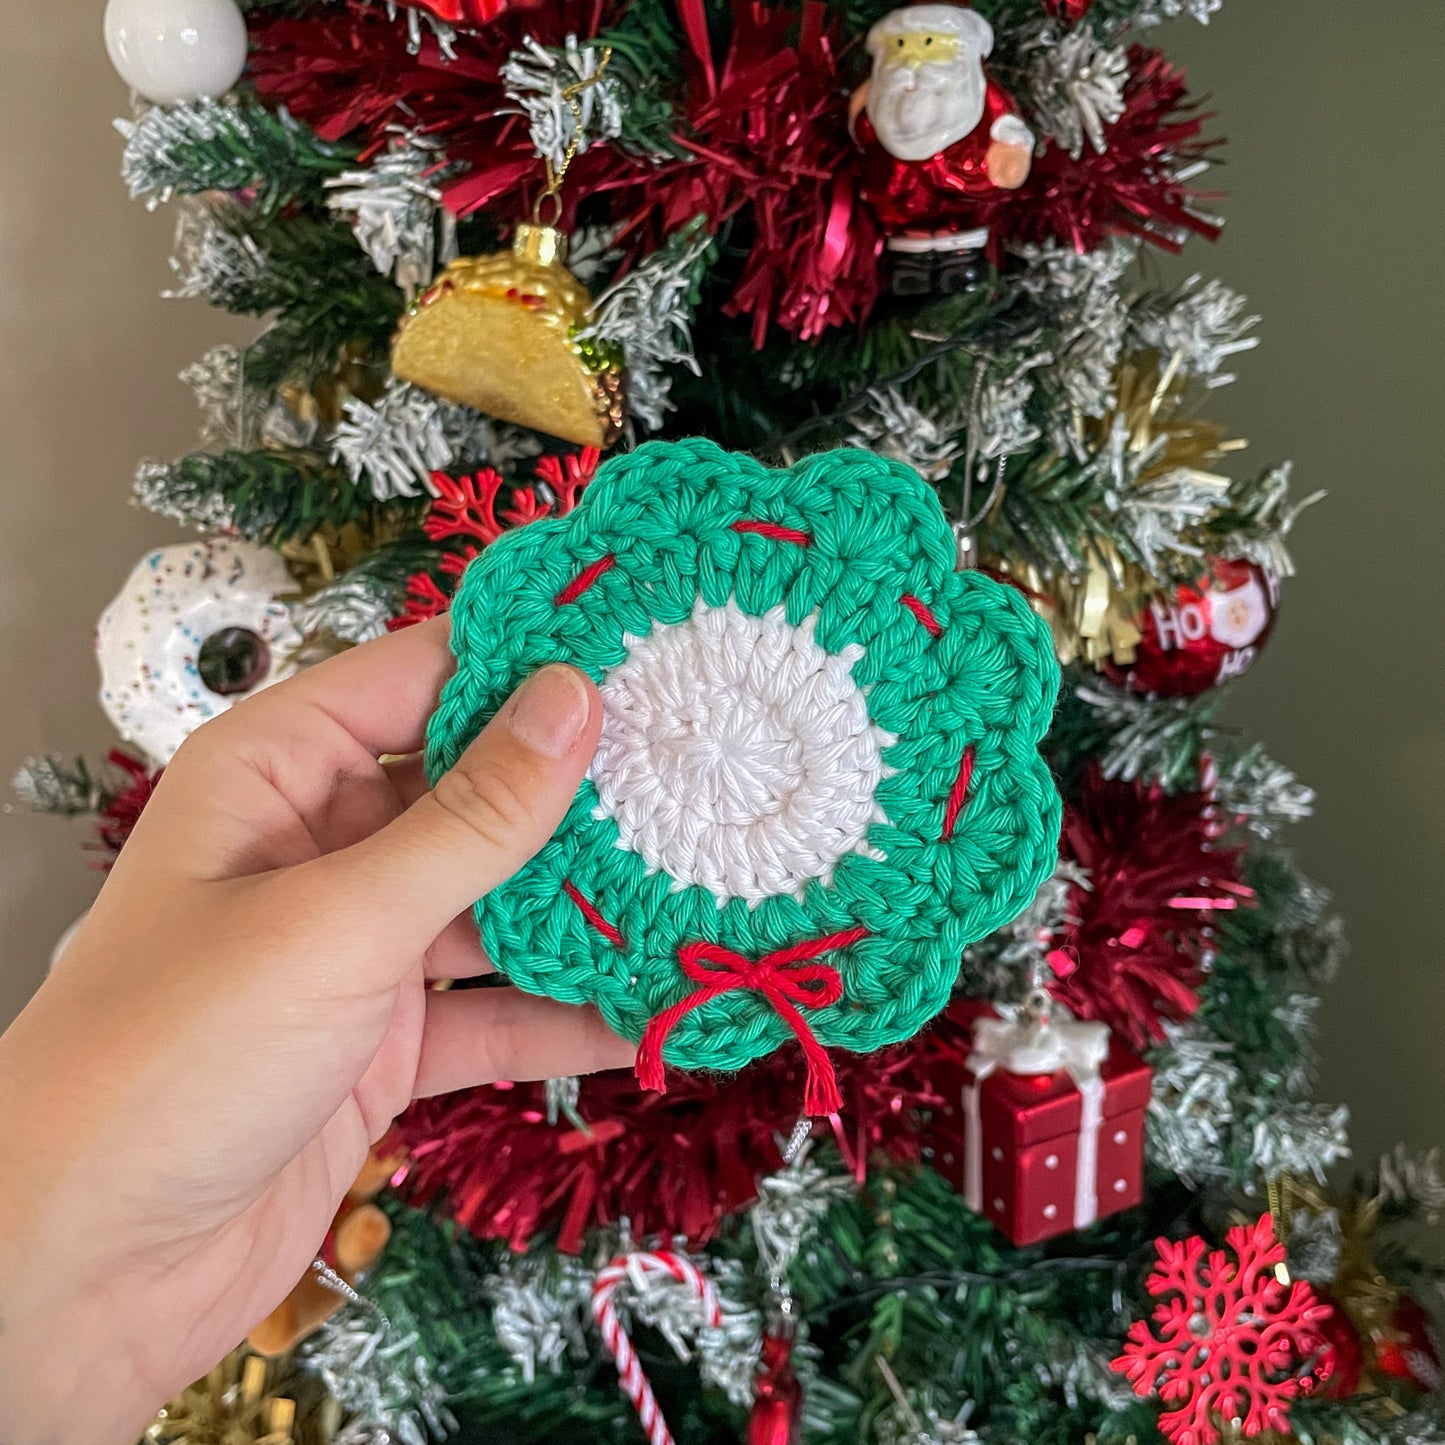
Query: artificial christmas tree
<point x="743" y="264"/>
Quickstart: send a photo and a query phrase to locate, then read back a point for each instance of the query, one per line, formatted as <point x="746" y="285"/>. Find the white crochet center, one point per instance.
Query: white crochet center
<point x="738" y="755"/>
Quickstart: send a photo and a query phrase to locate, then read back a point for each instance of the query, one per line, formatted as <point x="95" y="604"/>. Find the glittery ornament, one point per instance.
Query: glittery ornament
<point x="500" y="334"/>
<point x="1203" y="633"/>
<point x="196" y="628"/>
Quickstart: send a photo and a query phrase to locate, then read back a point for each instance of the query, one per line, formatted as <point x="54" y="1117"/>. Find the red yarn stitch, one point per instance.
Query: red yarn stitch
<point x="784" y="985"/>
<point x="593" y="916"/>
<point x="578" y="585"/>
<point x="922" y="613"/>
<point x="775" y="533"/>
<point x="959" y="796"/>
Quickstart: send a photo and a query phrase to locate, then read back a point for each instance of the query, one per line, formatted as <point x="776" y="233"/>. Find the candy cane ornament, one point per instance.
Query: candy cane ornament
<point x="638" y="1269"/>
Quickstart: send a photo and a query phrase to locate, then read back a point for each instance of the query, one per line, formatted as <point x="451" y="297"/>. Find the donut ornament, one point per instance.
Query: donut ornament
<point x="818" y="778"/>
<point x="196" y="628"/>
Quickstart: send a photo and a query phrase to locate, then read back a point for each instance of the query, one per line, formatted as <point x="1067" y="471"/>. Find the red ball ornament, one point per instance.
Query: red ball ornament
<point x="1407" y="1350"/>
<point x="1071" y="10"/>
<point x="1343" y="1357"/>
<point x="778" y="1403"/>
<point x="1205" y="633"/>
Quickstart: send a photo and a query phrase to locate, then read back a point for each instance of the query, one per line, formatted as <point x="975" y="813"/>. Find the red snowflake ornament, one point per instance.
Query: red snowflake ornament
<point x="1229" y="1342"/>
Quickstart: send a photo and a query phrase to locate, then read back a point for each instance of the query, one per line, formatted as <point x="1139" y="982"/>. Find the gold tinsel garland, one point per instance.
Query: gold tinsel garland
<point x="1094" y="612"/>
<point x="247" y="1400"/>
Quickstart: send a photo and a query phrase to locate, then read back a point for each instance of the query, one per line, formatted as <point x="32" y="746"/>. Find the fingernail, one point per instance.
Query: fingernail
<point x="549" y="711"/>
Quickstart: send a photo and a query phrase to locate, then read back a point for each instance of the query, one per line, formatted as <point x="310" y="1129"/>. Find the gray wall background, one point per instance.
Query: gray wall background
<point x="1334" y="174"/>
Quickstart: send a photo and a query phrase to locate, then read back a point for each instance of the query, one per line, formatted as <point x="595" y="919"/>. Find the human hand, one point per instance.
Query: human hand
<point x="193" y="1090"/>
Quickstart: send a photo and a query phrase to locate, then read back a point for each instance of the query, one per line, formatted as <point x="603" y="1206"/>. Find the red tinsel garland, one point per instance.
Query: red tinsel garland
<point x="671" y="1164"/>
<point x="764" y="135"/>
<point x="1132" y="188"/>
<point x="1134" y="952"/>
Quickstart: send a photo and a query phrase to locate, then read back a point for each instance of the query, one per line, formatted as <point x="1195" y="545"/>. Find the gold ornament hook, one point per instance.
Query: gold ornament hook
<point x="557" y="174"/>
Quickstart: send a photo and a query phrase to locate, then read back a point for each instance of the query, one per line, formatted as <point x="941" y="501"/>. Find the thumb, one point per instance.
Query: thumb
<point x="483" y="820"/>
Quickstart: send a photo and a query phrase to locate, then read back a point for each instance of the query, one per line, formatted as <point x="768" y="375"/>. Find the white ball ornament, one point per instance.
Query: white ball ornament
<point x="173" y="50"/>
<point x="196" y="628"/>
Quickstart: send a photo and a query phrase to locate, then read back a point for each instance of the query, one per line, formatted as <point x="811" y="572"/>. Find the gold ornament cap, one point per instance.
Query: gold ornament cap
<point x="499" y="333"/>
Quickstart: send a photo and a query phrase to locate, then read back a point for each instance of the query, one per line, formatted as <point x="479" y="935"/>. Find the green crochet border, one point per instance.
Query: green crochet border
<point x="987" y="681"/>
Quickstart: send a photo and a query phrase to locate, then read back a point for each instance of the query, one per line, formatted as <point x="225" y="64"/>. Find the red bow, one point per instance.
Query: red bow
<point x="782" y="982"/>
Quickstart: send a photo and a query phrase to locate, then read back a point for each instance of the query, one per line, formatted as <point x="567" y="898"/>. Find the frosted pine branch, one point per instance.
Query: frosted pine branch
<point x="214" y="264"/>
<point x="1156" y="12"/>
<point x="648" y="313"/>
<point x="225" y="145"/>
<point x="1261" y="794"/>
<point x="1084" y="294"/>
<point x="1298" y="1137"/>
<point x="1077" y="87"/>
<point x="535" y="78"/>
<point x="1201" y="323"/>
<point x="48" y="784"/>
<point x="1412" y="1183"/>
<point x="393" y="446"/>
<point x="540" y="1310"/>
<point x="889" y="424"/>
<point x="1191" y="1112"/>
<point x="379" y="1376"/>
<point x="395" y="209"/>
<point x="237" y="414"/>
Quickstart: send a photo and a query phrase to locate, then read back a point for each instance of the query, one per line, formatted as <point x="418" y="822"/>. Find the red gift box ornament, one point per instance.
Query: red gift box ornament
<point x="1053" y="1122"/>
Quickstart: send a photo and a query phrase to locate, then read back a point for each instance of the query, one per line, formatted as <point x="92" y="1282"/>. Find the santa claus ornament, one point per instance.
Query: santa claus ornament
<point x="939" y="137"/>
<point x="818" y="777"/>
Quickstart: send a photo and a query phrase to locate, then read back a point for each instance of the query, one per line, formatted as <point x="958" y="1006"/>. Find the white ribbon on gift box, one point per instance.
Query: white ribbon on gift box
<point x="1038" y="1043"/>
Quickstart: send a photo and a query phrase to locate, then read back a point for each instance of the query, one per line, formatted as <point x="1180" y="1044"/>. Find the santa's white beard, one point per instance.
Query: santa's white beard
<point x="918" y="112"/>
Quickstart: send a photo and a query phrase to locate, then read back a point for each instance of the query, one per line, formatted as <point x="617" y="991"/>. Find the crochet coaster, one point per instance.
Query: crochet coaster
<point x="818" y="778"/>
